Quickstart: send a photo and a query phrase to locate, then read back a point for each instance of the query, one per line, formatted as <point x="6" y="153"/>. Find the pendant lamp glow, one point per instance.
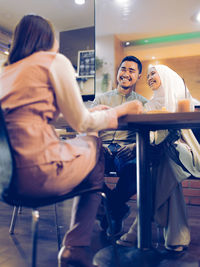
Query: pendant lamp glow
<point x="80" y="2"/>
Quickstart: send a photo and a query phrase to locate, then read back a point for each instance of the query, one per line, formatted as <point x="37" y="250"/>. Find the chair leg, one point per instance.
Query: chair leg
<point x="158" y="232"/>
<point x="57" y="228"/>
<point x="35" y="221"/>
<point x="13" y="220"/>
<point x="20" y="210"/>
<point x="108" y="216"/>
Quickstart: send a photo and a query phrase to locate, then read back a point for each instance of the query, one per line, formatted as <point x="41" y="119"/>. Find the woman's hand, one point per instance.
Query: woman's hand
<point x="99" y="107"/>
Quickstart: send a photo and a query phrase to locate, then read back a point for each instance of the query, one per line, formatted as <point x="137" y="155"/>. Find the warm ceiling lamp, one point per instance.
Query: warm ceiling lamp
<point x="80" y="2"/>
<point x="196" y="17"/>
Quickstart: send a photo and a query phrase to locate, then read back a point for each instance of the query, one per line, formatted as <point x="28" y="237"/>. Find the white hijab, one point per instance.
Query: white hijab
<point x="171" y="90"/>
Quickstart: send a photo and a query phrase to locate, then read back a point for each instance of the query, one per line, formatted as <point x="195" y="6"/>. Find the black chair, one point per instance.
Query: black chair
<point x="9" y="196"/>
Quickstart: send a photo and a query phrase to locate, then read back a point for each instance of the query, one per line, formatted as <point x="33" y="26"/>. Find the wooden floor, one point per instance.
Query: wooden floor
<point x="15" y="250"/>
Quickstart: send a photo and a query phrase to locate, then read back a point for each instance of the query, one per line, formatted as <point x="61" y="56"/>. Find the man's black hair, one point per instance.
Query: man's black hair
<point x="134" y="59"/>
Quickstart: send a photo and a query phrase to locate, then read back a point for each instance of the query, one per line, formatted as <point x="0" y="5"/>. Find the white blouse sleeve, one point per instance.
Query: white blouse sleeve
<point x="69" y="100"/>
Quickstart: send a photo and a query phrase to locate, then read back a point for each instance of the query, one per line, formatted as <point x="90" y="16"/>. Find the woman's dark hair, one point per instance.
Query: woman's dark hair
<point x="33" y="33"/>
<point x="134" y="59"/>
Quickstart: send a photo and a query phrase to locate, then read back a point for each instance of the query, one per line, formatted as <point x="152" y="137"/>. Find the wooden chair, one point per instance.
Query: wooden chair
<point x="9" y="196"/>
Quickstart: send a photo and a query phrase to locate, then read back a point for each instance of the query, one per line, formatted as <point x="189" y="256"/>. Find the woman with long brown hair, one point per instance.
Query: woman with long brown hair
<point x="36" y="85"/>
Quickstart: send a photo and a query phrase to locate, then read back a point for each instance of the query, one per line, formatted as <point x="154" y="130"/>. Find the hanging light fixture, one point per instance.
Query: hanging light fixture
<point x="80" y="2"/>
<point x="196" y="17"/>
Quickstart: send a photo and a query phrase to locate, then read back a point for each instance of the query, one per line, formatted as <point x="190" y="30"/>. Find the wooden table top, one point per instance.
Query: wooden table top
<point x="156" y="121"/>
<point x="152" y="121"/>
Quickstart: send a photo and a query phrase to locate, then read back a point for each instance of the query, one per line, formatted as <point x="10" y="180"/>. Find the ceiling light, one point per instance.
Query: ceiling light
<point x="122" y="1"/>
<point x="80" y="2"/>
<point x="198" y="17"/>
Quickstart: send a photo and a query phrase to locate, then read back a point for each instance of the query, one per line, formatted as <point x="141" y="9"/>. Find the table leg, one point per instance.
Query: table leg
<point x="144" y="254"/>
<point x="144" y="192"/>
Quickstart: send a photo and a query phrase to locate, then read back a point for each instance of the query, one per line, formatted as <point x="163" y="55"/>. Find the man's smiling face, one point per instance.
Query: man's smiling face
<point x="127" y="76"/>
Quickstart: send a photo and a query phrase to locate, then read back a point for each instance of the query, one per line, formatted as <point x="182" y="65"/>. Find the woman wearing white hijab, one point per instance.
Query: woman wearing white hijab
<point x="168" y="87"/>
<point x="179" y="158"/>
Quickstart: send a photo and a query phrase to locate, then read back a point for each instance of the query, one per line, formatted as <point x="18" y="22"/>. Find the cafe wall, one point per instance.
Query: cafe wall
<point x="105" y="56"/>
<point x="73" y="41"/>
<point x="140" y="28"/>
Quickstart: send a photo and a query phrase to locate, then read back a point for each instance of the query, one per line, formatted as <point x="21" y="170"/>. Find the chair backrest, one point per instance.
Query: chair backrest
<point x="6" y="157"/>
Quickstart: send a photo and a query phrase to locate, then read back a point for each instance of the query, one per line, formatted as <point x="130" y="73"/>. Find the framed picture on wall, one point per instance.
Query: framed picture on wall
<point x="86" y="64"/>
